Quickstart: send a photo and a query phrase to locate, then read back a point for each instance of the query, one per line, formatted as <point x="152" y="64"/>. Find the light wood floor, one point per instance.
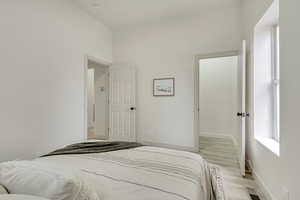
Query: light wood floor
<point x="91" y="133"/>
<point x="222" y="152"/>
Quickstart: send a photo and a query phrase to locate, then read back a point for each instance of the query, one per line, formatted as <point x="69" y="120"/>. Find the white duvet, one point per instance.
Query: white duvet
<point x="143" y="173"/>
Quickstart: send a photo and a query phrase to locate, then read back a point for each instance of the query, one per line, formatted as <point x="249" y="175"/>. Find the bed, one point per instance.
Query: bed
<point x="131" y="173"/>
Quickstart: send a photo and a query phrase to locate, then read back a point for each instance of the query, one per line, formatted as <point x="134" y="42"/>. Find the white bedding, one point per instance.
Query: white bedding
<point x="147" y="173"/>
<point x="20" y="197"/>
<point x="39" y="179"/>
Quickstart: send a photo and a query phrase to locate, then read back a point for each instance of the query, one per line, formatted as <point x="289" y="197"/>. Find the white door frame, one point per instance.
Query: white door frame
<point x="88" y="58"/>
<point x="196" y="88"/>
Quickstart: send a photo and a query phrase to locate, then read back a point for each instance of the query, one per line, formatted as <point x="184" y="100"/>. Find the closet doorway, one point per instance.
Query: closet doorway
<point x="110" y="101"/>
<point x="97" y="100"/>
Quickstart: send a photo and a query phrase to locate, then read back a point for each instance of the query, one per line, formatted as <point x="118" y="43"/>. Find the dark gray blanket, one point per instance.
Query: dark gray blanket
<point x="93" y="147"/>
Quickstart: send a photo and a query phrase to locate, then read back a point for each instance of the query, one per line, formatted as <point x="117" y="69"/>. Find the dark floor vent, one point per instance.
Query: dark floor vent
<point x="253" y="194"/>
<point x="254" y="197"/>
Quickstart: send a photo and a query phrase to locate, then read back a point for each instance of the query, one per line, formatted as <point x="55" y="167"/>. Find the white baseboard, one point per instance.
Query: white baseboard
<point x="262" y="187"/>
<point x="217" y="135"/>
<point x="170" y="146"/>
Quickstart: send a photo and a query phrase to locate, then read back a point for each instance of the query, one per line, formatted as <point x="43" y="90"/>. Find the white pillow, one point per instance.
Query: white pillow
<point x="19" y="197"/>
<point x="33" y="178"/>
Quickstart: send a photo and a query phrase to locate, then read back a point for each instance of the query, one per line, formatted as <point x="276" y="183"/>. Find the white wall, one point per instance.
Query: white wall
<point x="167" y="49"/>
<point x="42" y="50"/>
<point x="290" y="96"/>
<point x="218" y="96"/>
<point x="280" y="174"/>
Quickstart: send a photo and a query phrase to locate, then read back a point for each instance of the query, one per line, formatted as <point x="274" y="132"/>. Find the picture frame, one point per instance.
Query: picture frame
<point x="164" y="87"/>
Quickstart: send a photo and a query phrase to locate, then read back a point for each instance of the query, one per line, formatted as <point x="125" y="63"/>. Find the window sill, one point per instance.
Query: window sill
<point x="270" y="144"/>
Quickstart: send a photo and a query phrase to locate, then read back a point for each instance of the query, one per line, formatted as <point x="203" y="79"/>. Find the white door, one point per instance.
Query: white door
<point x="242" y="107"/>
<point x="122" y="103"/>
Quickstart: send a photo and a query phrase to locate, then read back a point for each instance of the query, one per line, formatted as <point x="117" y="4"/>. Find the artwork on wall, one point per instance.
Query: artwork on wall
<point x="164" y="87"/>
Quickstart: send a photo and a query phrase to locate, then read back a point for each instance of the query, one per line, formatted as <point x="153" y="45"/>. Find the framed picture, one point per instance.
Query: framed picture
<point x="164" y="87"/>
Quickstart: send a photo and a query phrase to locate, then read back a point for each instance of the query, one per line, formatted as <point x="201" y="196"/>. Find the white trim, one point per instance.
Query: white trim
<point x="275" y="81"/>
<point x="196" y="104"/>
<point x="264" y="30"/>
<point x="170" y="146"/>
<point x="270" y="143"/>
<point x="216" y="135"/>
<point x="85" y="84"/>
<point x="98" y="60"/>
<point x="264" y="190"/>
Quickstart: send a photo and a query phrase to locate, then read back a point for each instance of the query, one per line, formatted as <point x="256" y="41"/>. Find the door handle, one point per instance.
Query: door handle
<point x="239" y="114"/>
<point x="133" y="108"/>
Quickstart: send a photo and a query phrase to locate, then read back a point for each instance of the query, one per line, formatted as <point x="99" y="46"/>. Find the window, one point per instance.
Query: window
<point x="266" y="80"/>
<point x="275" y="81"/>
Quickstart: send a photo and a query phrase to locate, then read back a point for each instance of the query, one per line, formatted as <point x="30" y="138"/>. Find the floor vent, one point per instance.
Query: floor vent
<point x="254" y="197"/>
<point x="253" y="194"/>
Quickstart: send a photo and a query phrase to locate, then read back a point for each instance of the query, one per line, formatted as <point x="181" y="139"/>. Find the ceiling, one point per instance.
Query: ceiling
<point x="120" y="13"/>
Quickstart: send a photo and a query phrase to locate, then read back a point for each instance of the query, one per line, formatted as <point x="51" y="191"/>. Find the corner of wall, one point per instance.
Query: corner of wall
<point x="263" y="189"/>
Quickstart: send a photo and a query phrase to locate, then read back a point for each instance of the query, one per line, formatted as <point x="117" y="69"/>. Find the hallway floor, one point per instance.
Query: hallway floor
<point x="222" y="152"/>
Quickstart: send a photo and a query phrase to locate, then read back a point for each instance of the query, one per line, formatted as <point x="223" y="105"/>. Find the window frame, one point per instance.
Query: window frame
<point x="275" y="64"/>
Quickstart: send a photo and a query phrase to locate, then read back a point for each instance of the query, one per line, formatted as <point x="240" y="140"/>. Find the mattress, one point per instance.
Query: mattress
<point x="149" y="173"/>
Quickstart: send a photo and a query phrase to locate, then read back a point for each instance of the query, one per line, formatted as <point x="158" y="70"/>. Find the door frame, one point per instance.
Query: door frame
<point x="100" y="61"/>
<point x="197" y="87"/>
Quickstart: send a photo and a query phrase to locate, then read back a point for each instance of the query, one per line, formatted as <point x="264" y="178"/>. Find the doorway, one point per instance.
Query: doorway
<point x="110" y="104"/>
<point x="218" y="96"/>
<point x="97" y="100"/>
<point x="220" y="91"/>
